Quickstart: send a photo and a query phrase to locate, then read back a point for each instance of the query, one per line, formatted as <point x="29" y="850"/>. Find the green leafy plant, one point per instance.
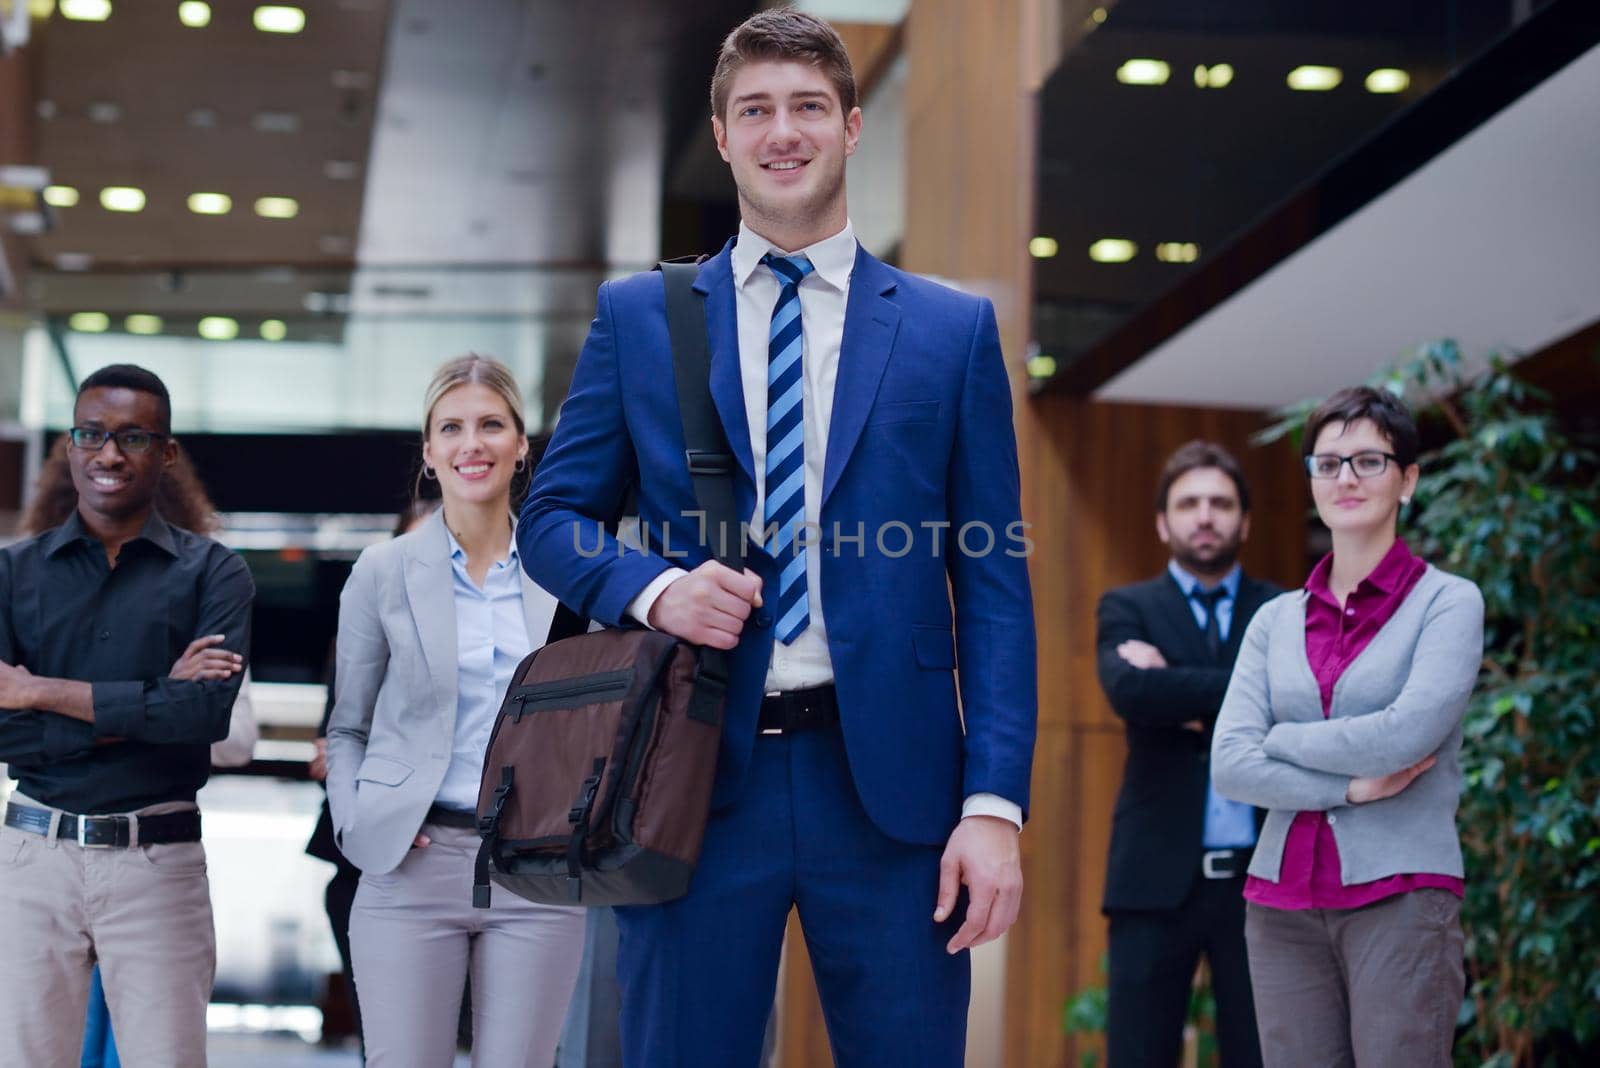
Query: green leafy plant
<point x="1510" y="501"/>
<point x="1086" y="1013"/>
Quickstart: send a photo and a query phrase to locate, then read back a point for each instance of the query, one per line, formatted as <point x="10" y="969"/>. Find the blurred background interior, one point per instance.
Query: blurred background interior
<point x="1188" y="212"/>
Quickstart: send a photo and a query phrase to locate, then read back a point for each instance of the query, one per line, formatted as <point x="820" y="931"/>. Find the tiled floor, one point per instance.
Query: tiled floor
<point x="280" y="1051"/>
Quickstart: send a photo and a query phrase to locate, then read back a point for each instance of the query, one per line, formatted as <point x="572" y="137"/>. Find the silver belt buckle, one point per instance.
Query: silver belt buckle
<point x="1208" y="861"/>
<point x="83" y="833"/>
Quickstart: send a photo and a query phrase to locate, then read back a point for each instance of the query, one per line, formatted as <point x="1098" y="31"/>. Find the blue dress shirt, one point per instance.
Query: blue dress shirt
<point x="1229" y="824"/>
<point x="491" y="639"/>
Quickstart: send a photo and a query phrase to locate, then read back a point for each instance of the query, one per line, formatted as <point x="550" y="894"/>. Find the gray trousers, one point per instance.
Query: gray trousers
<point x="413" y="936"/>
<point x="1369" y="987"/>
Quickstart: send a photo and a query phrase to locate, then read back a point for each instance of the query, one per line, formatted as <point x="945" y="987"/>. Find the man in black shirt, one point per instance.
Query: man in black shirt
<point x="100" y="854"/>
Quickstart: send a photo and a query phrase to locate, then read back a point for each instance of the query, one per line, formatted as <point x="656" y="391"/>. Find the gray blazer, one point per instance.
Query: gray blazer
<point x="1401" y="700"/>
<point x="394" y="711"/>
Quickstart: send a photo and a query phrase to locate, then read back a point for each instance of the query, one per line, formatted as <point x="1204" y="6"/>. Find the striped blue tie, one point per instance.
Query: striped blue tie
<point x="786" y="454"/>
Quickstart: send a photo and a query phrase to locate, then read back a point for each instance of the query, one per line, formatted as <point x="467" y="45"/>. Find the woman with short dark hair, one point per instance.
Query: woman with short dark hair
<point x="1343" y="719"/>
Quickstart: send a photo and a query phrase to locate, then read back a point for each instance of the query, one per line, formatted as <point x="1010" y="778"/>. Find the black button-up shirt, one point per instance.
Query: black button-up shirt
<point x="66" y="613"/>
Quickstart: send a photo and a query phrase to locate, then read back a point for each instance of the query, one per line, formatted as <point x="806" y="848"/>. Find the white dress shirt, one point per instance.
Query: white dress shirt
<point x="805" y="662"/>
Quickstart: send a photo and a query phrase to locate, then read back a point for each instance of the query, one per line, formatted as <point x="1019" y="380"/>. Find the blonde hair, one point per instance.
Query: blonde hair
<point x="473" y="369"/>
<point x="467" y="370"/>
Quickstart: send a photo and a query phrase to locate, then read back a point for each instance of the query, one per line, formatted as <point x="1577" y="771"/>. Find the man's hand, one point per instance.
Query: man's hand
<point x="982" y="853"/>
<point x="1360" y="791"/>
<point x="16" y="687"/>
<point x="1141" y="655"/>
<point x="708" y="606"/>
<point x="200" y="662"/>
<point x="318" y="768"/>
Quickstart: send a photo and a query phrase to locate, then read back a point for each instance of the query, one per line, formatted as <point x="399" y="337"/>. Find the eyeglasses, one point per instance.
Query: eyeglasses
<point x="131" y="439"/>
<point x="1327" y="465"/>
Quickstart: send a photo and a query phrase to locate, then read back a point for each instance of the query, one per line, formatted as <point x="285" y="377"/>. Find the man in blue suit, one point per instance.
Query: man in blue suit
<point x="870" y="417"/>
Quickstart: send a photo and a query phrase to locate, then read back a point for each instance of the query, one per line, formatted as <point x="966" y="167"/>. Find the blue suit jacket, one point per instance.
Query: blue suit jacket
<point x="921" y="433"/>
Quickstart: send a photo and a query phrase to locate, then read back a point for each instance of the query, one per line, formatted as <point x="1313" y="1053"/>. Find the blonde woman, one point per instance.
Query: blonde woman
<point x="431" y="626"/>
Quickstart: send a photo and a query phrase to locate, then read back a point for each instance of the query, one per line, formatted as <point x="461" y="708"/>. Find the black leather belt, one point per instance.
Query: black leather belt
<point x="798" y="710"/>
<point x="1225" y="863"/>
<point x="107" y="832"/>
<point x="451" y="817"/>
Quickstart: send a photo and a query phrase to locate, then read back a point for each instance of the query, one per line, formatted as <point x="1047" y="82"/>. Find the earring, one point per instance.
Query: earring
<point x="1405" y="500"/>
<point x="522" y="463"/>
<point x="429" y="473"/>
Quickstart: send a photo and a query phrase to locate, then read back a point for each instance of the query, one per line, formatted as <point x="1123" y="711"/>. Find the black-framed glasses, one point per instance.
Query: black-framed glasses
<point x="1327" y="465"/>
<point x="130" y="439"/>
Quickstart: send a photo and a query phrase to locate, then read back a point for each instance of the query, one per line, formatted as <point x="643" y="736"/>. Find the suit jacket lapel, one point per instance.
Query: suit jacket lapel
<point x="430" y="591"/>
<point x="871" y="322"/>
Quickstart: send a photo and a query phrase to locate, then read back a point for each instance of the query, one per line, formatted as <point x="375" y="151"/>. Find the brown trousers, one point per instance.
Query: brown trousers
<point x="1372" y="987"/>
<point x="144" y="914"/>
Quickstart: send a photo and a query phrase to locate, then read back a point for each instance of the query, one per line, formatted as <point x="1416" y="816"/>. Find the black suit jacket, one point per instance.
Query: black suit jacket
<point x="1160" y="815"/>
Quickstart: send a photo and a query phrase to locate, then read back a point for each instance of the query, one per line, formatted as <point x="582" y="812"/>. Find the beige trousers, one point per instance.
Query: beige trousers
<point x="143" y="913"/>
<point x="413" y="937"/>
<point x="1374" y="987"/>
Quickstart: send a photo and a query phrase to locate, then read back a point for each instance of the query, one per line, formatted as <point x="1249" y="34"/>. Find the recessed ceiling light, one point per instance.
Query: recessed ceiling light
<point x="45" y="109"/>
<point x="334" y="244"/>
<point x="105" y="112"/>
<point x="1113" y="250"/>
<point x="1144" y="72"/>
<point x="73" y="261"/>
<point x="122" y="198"/>
<point x="1216" y="76"/>
<point x="86" y="10"/>
<point x="352" y="79"/>
<point x="1041" y="365"/>
<point x="218" y="328"/>
<point x="1042" y="248"/>
<point x="274" y="18"/>
<point x="1098" y="15"/>
<point x="340" y="170"/>
<point x="202" y="118"/>
<point x="277" y="207"/>
<point x="142" y="324"/>
<point x="60" y="196"/>
<point x="1177" y="252"/>
<point x="89" y="322"/>
<point x="194" y="14"/>
<point x="273" y="330"/>
<point x="210" y="203"/>
<point x="1388" y="80"/>
<point x="1313" y="79"/>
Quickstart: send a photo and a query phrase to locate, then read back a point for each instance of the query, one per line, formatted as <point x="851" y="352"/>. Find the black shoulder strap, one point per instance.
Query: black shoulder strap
<point x="709" y="458"/>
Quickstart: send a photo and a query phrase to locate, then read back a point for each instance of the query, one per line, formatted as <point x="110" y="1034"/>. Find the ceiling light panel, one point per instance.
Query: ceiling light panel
<point x="1314" y="79"/>
<point x="122" y="198"/>
<point x="274" y="330"/>
<point x="90" y="322"/>
<point x="142" y="324"/>
<point x="218" y="328"/>
<point x="277" y="207"/>
<point x="1042" y="248"/>
<point x="60" y="196"/>
<point x="86" y="10"/>
<point x="1144" y="72"/>
<point x="1388" y="80"/>
<point x="194" y="14"/>
<point x="210" y="203"/>
<point x="276" y="18"/>
<point x="1113" y="250"/>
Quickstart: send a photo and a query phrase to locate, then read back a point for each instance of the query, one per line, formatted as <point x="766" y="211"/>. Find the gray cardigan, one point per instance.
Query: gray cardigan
<point x="1402" y="699"/>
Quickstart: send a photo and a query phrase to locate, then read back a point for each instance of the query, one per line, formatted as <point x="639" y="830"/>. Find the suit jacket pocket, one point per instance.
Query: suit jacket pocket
<point x="904" y="412"/>
<point x="934" y="647"/>
<point x="386" y="771"/>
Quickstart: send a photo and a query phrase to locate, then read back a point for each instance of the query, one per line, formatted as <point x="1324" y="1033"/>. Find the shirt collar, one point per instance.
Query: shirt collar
<point x="1387" y="576"/>
<point x="155" y="530"/>
<point x="459" y="555"/>
<point x="1188" y="583"/>
<point x="832" y="258"/>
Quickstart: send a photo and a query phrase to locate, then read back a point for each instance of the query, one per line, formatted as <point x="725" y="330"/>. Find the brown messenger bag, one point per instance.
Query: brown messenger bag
<point x="597" y="780"/>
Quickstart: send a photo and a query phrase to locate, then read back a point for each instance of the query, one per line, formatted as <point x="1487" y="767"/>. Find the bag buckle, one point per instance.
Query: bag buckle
<point x="704" y="462"/>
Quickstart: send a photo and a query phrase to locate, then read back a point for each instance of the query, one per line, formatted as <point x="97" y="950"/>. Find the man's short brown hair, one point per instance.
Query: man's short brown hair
<point x="1193" y="456"/>
<point x="783" y="34"/>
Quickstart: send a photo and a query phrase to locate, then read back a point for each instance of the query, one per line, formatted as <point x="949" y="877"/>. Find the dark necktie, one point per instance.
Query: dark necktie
<point x="1209" y="599"/>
